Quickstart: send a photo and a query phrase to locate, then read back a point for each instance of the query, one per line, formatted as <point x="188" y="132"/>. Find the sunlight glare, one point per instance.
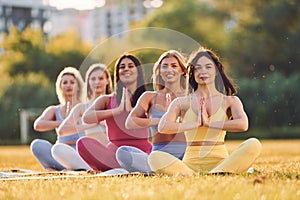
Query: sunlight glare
<point x="77" y="4"/>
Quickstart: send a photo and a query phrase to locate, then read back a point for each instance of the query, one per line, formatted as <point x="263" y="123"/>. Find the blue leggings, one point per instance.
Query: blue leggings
<point x="134" y="160"/>
<point x="41" y="149"/>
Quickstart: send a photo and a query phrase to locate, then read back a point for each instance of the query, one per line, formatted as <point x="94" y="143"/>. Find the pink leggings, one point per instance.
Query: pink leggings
<point x="103" y="158"/>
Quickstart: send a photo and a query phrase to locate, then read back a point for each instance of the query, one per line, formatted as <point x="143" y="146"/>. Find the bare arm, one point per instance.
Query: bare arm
<point x="46" y="121"/>
<point x="70" y="125"/>
<point x="168" y="123"/>
<point x="239" y="121"/>
<point x="136" y="118"/>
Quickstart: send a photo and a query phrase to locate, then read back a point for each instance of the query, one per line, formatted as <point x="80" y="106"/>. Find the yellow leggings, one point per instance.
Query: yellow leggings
<point x="214" y="161"/>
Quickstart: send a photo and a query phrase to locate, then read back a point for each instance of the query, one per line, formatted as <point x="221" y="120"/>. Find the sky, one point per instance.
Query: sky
<point x="90" y="4"/>
<point x="78" y="4"/>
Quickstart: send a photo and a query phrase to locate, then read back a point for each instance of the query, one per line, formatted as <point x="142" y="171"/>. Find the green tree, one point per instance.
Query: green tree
<point x="199" y="20"/>
<point x="30" y="51"/>
<point x="22" y="92"/>
<point x="65" y="49"/>
<point x="269" y="40"/>
<point x="30" y="63"/>
<point x="22" y="51"/>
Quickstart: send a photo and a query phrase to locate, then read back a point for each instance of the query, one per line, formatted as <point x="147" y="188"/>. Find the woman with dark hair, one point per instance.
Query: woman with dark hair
<point x="114" y="109"/>
<point x="169" y="82"/>
<point x="205" y="115"/>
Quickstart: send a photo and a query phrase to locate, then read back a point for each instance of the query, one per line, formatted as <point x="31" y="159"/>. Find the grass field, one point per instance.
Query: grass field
<point x="278" y="177"/>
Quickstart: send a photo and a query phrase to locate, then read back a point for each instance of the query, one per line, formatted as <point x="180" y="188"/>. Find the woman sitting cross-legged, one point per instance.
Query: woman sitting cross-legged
<point x="206" y="115"/>
<point x="169" y="82"/>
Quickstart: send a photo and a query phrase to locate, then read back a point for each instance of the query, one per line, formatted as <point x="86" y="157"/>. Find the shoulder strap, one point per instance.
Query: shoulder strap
<point x="154" y="98"/>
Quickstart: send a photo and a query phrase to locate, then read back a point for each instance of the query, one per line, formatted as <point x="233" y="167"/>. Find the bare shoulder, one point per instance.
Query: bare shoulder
<point x="103" y="98"/>
<point x="182" y="102"/>
<point x="233" y="100"/>
<point x="80" y="107"/>
<point x="52" y="109"/>
<point x="49" y="112"/>
<point x="102" y="101"/>
<point x="148" y="94"/>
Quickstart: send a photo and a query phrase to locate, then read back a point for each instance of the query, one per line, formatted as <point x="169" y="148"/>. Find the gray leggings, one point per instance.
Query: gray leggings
<point x="41" y="149"/>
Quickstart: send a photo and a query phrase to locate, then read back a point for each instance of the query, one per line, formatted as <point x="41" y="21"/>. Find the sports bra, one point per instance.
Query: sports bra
<point x="66" y="138"/>
<point x="154" y="113"/>
<point x="58" y="115"/>
<point x="205" y="133"/>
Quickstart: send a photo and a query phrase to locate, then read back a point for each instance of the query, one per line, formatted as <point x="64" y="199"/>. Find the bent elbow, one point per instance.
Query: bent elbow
<point x="161" y="128"/>
<point x="36" y="126"/>
<point x="244" y="127"/>
<point x="60" y="131"/>
<point x="128" y="124"/>
<point x="86" y="119"/>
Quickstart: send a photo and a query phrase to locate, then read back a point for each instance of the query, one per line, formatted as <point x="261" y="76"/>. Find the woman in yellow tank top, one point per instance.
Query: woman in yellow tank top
<point x="205" y="115"/>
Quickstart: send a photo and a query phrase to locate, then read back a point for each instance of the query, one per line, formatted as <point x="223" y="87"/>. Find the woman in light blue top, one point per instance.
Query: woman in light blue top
<point x="69" y="86"/>
<point x="97" y="82"/>
<point x="169" y="82"/>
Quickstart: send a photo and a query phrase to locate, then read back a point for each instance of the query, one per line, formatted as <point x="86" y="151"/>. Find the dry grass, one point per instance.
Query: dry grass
<point x="278" y="178"/>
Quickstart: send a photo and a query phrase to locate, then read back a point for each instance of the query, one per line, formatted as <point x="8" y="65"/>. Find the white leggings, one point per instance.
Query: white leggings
<point x="238" y="161"/>
<point x="68" y="157"/>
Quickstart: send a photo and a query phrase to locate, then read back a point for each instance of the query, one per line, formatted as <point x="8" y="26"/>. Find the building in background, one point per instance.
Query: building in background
<point x="113" y="17"/>
<point x="23" y="13"/>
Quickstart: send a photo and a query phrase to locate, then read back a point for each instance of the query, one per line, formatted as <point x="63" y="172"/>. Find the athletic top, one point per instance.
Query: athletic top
<point x="58" y="115"/>
<point x="66" y="138"/>
<point x="116" y="130"/>
<point x="205" y="133"/>
<point x="154" y="113"/>
<point x="69" y="138"/>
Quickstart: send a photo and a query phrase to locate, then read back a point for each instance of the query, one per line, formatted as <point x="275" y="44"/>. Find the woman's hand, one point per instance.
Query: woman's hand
<point x="127" y="104"/>
<point x="200" y="107"/>
<point x="204" y="114"/>
<point x="168" y="99"/>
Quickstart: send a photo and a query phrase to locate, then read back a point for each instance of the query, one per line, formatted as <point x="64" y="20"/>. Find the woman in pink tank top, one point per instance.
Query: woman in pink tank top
<point x="114" y="109"/>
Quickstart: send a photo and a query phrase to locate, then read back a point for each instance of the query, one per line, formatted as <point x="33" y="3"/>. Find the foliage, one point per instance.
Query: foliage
<point x="268" y="41"/>
<point x="28" y="51"/>
<point x="23" y="51"/>
<point x="258" y="42"/>
<point x="271" y="101"/>
<point x="200" y="21"/>
<point x="30" y="63"/>
<point x="65" y="49"/>
<point x="22" y="92"/>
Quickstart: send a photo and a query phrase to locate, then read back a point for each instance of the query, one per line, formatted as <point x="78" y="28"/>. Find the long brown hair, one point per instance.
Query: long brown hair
<point x="223" y="83"/>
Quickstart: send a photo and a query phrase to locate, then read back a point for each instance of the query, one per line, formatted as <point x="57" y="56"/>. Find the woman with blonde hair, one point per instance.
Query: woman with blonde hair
<point x="69" y="86"/>
<point x="97" y="83"/>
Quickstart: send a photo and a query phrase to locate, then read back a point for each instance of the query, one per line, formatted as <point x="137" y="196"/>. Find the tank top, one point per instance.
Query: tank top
<point x="154" y="113"/>
<point x="116" y="130"/>
<point x="58" y="115"/>
<point x="205" y="133"/>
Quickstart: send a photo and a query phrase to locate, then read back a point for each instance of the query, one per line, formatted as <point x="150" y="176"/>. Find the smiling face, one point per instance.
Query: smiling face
<point x="98" y="82"/>
<point x="69" y="85"/>
<point x="128" y="72"/>
<point x="170" y="70"/>
<point x="204" y="71"/>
